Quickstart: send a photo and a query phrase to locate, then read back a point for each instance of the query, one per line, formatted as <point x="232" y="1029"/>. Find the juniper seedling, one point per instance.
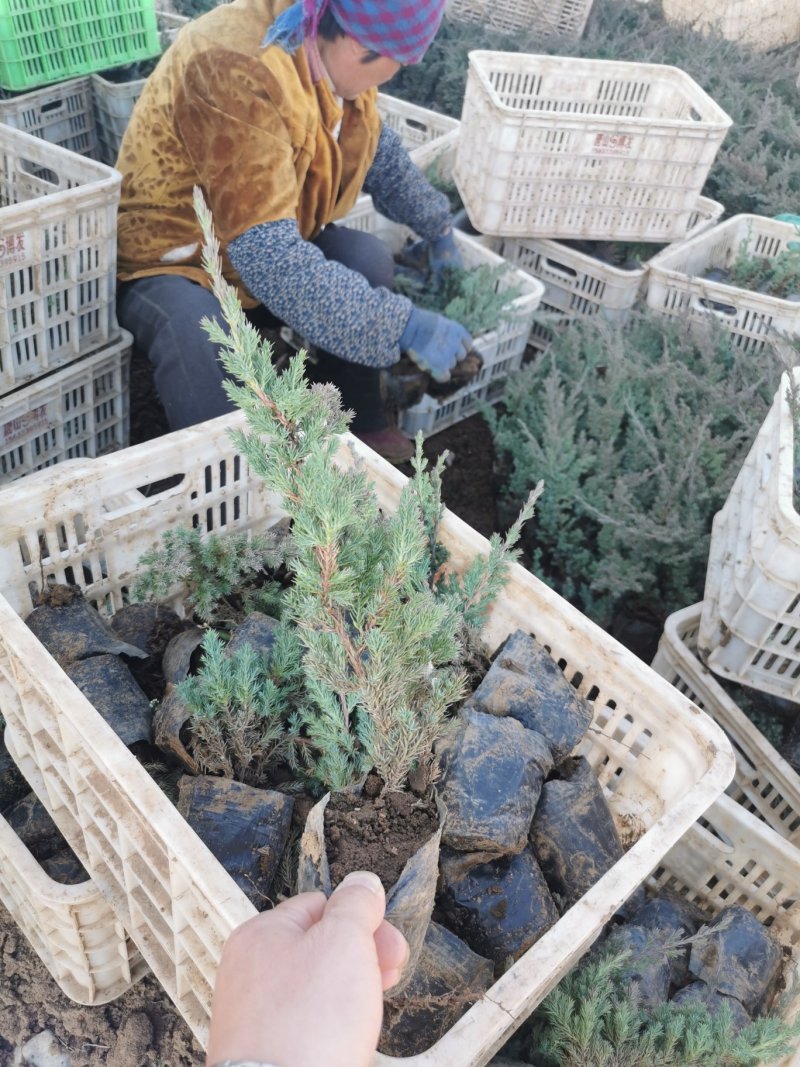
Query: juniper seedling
<point x="592" y="1019"/>
<point x="471" y="296"/>
<point x="638" y="431"/>
<point x="225" y="575"/>
<point x="777" y="275"/>
<point x="381" y="647"/>
<point x="239" y="706"/>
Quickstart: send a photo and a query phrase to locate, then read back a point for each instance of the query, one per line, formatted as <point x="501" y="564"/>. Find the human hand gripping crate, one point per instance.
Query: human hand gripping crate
<point x="563" y="147"/>
<point x="730" y="857"/>
<point x="693" y="279"/>
<point x="659" y="760"/>
<point x="750" y="624"/>
<point x="764" y="783"/>
<point x="58" y="257"/>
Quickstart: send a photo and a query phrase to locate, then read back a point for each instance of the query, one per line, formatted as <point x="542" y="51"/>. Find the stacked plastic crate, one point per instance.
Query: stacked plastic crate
<point x="747" y="631"/>
<point x="63" y="359"/>
<point x="63" y="366"/>
<point x="571" y="163"/>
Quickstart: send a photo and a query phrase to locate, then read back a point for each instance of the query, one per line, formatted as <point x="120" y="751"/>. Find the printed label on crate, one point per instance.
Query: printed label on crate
<point x="612" y="144"/>
<point x="14" y="248"/>
<point x="24" y="425"/>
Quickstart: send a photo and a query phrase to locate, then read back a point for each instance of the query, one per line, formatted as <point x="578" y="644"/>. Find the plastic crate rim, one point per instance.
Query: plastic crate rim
<point x="717" y="119"/>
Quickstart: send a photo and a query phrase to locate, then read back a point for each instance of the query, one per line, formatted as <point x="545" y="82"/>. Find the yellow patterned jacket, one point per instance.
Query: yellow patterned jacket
<point x="247" y="125"/>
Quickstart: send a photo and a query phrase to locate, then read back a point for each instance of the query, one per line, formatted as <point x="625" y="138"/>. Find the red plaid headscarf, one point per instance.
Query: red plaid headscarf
<point x="399" y="29"/>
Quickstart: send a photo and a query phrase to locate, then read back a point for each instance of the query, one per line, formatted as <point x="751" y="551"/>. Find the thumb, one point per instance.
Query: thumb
<point x="358" y="900"/>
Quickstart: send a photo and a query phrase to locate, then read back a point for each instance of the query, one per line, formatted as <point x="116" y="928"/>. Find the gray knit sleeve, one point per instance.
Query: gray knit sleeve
<point x="329" y="305"/>
<point x="402" y="193"/>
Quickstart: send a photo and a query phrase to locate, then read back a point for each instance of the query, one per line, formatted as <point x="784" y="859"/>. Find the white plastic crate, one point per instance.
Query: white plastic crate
<point x="72" y="928"/>
<point x="62" y="114"/>
<point x="558" y="18"/>
<point x="80" y="410"/>
<point x="502" y="349"/>
<point x="416" y="126"/>
<point x="555" y="146"/>
<point x="764" y="782"/>
<point x="750" y="625"/>
<point x="730" y="857"/>
<point x="58" y="256"/>
<point x="677" y="286"/>
<point x="114" y="101"/>
<point x="581" y="284"/>
<point x="763" y="25"/>
<point x="660" y="760"/>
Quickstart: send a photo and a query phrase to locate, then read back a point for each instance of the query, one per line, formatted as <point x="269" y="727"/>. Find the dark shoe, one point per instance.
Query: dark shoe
<point x="389" y="443"/>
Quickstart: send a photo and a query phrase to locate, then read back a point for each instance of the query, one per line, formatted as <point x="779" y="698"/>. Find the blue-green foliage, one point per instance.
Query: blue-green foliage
<point x="592" y="1019"/>
<point x="638" y="432"/>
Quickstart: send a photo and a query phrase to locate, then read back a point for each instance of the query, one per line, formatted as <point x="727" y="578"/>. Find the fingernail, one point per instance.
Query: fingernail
<point x="366" y="878"/>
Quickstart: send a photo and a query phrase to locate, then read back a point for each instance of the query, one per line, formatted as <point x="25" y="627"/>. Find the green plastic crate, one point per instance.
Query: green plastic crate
<point x="44" y="41"/>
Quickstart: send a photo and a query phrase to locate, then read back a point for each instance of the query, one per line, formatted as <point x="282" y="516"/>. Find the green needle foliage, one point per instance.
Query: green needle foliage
<point x="381" y="644"/>
<point x="592" y="1019"/>
<point x="225" y="576"/>
<point x="240" y="704"/>
<point x="638" y="431"/>
<point x="473" y="297"/>
<point x="777" y="275"/>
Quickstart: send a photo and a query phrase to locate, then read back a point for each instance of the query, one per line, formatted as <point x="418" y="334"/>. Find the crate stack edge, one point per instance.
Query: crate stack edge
<point x="750" y="623"/>
<point x="63" y="358"/>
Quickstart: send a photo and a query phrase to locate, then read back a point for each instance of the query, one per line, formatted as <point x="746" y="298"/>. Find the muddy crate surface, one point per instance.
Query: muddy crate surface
<point x="658" y="758"/>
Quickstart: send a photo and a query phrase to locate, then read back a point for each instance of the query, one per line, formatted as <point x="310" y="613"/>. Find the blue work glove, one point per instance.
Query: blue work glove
<point x="433" y="256"/>
<point x="444" y="253"/>
<point x="434" y="343"/>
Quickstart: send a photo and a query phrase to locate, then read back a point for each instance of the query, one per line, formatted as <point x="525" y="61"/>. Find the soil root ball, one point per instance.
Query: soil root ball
<point x="573" y="833"/>
<point x="108" y="684"/>
<point x="492" y="775"/>
<point x="738" y="956"/>
<point x="257" y="630"/>
<point x="65" y="867"/>
<point x="170" y="727"/>
<point x="500" y="907"/>
<point x="180" y="654"/>
<point x="647" y="971"/>
<point x="365" y="837"/>
<point x="150" y="627"/>
<point x="672" y="918"/>
<point x="699" y="992"/>
<point x="71" y="629"/>
<point x="448" y="978"/>
<point x="245" y="828"/>
<point x="13" y="784"/>
<point x="31" y="822"/>
<point x="525" y="683"/>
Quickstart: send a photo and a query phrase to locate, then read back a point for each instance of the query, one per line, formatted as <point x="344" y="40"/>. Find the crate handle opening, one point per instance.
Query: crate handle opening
<point x="561" y="268"/>
<point x="716" y="307"/>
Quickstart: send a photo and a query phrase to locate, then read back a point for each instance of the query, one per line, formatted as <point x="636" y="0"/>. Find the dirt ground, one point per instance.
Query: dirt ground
<point x="140" y="1029"/>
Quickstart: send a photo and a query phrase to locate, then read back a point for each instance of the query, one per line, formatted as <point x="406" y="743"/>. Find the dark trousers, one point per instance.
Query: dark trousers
<point x="164" y="313"/>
